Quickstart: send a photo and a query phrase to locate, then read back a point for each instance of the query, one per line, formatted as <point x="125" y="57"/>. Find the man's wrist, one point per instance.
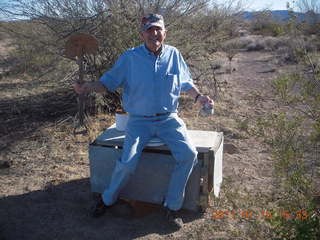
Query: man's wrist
<point x="197" y="97"/>
<point x="92" y="87"/>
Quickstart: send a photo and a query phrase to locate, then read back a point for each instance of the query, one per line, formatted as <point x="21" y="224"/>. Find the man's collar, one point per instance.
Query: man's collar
<point x="151" y="53"/>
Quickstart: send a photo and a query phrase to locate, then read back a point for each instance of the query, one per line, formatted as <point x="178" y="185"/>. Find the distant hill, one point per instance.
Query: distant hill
<point x="284" y="16"/>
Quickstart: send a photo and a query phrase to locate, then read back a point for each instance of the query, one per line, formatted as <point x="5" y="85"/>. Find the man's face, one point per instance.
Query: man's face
<point x="153" y="38"/>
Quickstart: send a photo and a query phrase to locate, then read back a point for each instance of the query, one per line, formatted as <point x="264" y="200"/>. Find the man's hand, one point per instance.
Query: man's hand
<point x="88" y="87"/>
<point x="205" y="99"/>
<point x="82" y="89"/>
<point x="199" y="98"/>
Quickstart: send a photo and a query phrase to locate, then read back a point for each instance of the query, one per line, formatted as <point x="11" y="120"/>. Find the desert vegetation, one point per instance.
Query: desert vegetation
<point x="263" y="74"/>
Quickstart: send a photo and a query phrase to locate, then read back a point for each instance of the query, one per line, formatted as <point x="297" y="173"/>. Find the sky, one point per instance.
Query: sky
<point x="255" y="5"/>
<point x="270" y="4"/>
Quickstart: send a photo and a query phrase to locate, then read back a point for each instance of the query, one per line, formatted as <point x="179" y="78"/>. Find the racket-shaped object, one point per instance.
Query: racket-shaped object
<point x="76" y="47"/>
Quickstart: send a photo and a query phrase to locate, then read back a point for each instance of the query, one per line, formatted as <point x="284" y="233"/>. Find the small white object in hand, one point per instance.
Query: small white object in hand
<point x="206" y="110"/>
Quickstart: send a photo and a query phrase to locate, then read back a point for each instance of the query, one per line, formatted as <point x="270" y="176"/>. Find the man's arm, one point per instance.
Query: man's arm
<point x="88" y="87"/>
<point x="198" y="97"/>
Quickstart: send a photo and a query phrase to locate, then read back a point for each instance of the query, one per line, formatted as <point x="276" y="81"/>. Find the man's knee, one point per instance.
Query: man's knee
<point x="194" y="154"/>
<point x="190" y="155"/>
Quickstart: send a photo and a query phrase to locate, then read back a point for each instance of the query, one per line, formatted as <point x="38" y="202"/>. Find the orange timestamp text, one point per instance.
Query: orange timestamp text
<point x="259" y="214"/>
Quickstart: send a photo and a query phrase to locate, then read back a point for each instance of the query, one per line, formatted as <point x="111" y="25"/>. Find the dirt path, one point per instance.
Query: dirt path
<point x="250" y="98"/>
<point x="43" y="198"/>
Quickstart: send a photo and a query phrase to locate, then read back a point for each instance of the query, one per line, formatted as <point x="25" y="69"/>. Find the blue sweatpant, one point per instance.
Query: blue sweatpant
<point x="172" y="131"/>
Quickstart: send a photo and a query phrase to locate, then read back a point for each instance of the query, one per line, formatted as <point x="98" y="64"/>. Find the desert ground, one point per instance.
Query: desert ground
<point x="44" y="173"/>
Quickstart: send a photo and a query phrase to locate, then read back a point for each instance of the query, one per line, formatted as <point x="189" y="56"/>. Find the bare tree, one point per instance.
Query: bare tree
<point x="311" y="10"/>
<point x="308" y="5"/>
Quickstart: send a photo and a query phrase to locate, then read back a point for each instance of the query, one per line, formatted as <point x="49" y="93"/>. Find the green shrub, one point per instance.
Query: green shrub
<point x="293" y="136"/>
<point x="265" y="24"/>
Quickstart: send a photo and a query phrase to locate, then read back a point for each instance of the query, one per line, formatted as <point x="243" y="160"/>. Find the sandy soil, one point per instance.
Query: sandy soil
<point x="45" y="191"/>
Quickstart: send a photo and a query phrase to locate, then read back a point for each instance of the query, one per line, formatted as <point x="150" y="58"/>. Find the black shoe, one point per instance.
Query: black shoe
<point x="173" y="219"/>
<point x="99" y="209"/>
